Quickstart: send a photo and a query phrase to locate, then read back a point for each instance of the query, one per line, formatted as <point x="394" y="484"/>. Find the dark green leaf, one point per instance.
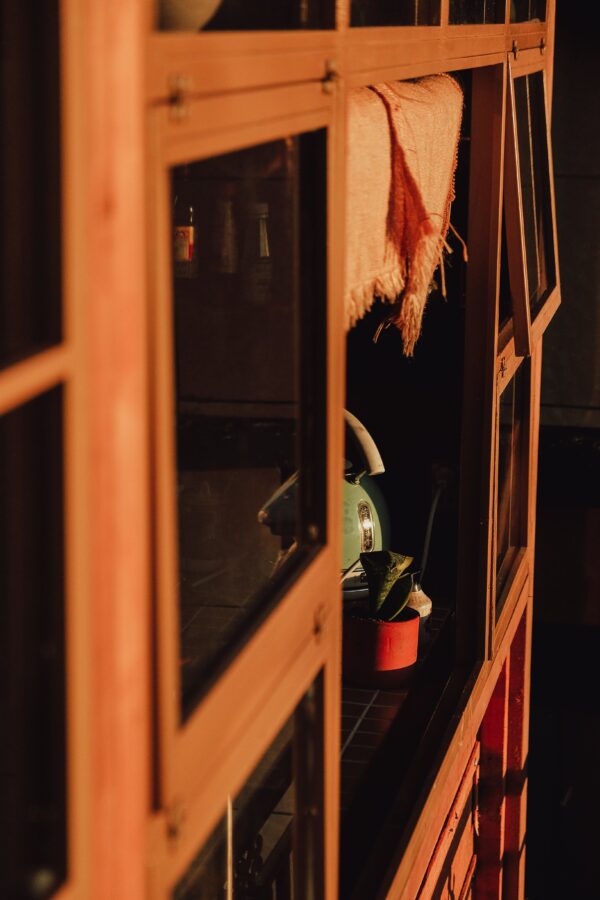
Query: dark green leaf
<point x="396" y="600"/>
<point x="383" y="568"/>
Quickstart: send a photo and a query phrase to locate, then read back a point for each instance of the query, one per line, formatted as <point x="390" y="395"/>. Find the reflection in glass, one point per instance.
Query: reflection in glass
<point x="511" y="478"/>
<point x="240" y="15"/>
<point x="476" y="12"/>
<point x="269" y="843"/>
<point x="527" y="10"/>
<point x="32" y="652"/>
<point x="395" y="12"/>
<point x="249" y="277"/>
<point x="535" y="187"/>
<point x="30" y="245"/>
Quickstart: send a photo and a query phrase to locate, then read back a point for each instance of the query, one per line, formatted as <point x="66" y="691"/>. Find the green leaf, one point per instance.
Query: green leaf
<point x="397" y="599"/>
<point x="383" y="569"/>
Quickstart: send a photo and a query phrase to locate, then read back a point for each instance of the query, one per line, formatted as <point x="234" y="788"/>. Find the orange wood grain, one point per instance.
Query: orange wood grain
<point x="516" y="581"/>
<point x="116" y="360"/>
<point x="515" y="230"/>
<point x="446" y="857"/>
<point x="210" y="126"/>
<point x="483" y="274"/>
<point x="25" y="380"/>
<point x="216" y="62"/>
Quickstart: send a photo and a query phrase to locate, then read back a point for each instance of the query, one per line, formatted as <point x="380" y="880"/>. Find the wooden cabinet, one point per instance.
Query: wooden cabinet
<point x="241" y="120"/>
<point x="452" y="866"/>
<point x="207" y="381"/>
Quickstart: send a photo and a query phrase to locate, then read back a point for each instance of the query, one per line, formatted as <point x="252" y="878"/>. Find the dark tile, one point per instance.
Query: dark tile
<point x="361" y="755"/>
<point x="382" y="713"/>
<point x="357" y="695"/>
<point x="365" y="739"/>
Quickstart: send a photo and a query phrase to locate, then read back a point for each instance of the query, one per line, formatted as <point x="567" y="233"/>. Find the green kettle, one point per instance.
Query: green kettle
<point x="365" y="515"/>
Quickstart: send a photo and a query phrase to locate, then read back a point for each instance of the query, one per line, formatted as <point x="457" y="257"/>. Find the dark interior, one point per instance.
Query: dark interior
<point x="412" y="407"/>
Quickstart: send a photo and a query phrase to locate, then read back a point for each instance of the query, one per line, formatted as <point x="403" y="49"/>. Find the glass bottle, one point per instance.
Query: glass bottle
<point x="225" y="234"/>
<point x="185" y="259"/>
<point x="256" y="262"/>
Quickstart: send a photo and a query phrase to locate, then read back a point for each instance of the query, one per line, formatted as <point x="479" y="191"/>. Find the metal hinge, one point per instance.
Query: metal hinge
<point x="177" y="98"/>
<point x="319" y="622"/>
<point x="331" y="75"/>
<point x="175" y="817"/>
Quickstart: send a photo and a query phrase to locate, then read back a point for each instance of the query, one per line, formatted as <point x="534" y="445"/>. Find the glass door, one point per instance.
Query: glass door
<point x="530" y="230"/>
<point x="269" y="841"/>
<point x="511" y="493"/>
<point x="248" y="262"/>
<point x="247" y="574"/>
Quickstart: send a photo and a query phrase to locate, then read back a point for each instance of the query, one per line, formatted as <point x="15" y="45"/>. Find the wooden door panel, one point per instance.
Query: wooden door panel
<point x="452" y="863"/>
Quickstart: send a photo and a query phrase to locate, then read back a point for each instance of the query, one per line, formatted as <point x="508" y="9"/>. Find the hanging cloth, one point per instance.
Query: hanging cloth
<point x="402" y="153"/>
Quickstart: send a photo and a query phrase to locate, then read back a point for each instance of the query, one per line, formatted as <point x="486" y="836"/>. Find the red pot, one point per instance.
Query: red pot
<point x="380" y="654"/>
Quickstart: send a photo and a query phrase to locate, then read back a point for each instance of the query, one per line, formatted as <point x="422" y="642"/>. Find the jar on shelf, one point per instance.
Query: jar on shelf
<point x="185" y="255"/>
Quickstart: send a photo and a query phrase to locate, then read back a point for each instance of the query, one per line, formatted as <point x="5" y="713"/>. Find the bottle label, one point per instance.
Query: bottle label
<point x="183" y="249"/>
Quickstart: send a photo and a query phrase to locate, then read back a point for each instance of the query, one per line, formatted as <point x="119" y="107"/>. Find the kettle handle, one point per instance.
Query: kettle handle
<point x="372" y="456"/>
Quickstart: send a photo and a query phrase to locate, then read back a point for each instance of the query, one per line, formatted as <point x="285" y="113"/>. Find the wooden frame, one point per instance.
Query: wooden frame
<point x="303" y="625"/>
<point x="230" y="63"/>
<point x="515" y="567"/>
<point x="187" y="124"/>
<point x="515" y="237"/>
<point x="483" y="276"/>
<point x="526" y="64"/>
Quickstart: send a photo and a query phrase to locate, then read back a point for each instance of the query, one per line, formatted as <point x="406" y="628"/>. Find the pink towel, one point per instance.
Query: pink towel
<point x="402" y="152"/>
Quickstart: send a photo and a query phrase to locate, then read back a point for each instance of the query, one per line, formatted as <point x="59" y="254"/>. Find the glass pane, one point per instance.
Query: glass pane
<point x="206" y="878"/>
<point x="395" y="12"/>
<point x="249" y="308"/>
<point x="269" y="844"/>
<point x="512" y="474"/>
<point x="32" y="653"/>
<point x="239" y="15"/>
<point x="477" y="12"/>
<point x="535" y="187"/>
<point x="505" y="310"/>
<point x="527" y="10"/>
<point x="29" y="180"/>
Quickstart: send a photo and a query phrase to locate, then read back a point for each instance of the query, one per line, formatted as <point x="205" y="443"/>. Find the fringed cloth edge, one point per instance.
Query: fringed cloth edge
<point x="413" y="236"/>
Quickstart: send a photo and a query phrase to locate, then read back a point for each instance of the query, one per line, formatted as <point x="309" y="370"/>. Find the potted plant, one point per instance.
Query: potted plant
<point x="381" y="634"/>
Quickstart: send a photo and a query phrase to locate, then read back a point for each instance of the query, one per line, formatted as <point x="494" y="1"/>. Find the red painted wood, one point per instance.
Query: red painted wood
<point x="516" y="776"/>
<point x="490" y="847"/>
